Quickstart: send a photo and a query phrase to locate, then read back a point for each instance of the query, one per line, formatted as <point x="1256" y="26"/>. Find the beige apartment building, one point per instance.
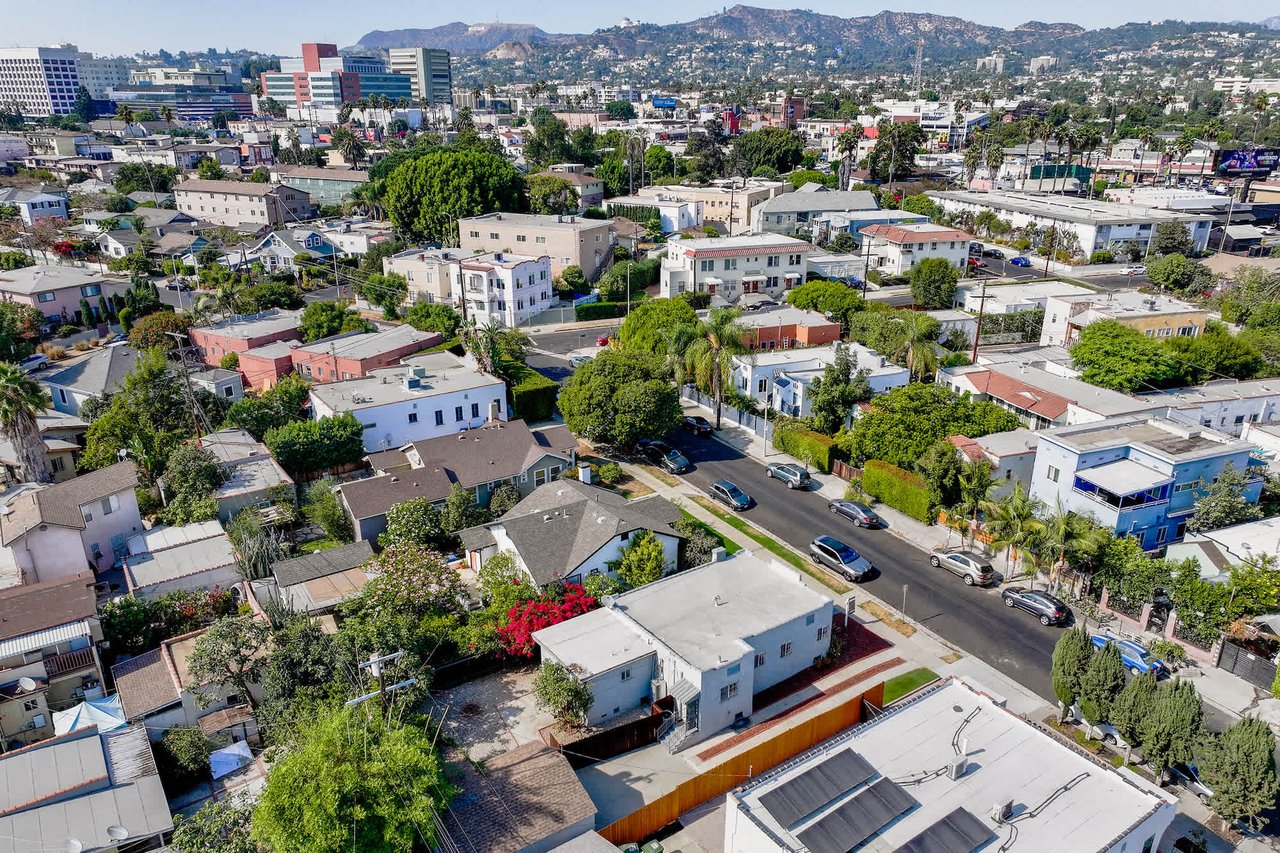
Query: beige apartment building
<point x="241" y="202"/>
<point x="567" y="240"/>
<point x="726" y="204"/>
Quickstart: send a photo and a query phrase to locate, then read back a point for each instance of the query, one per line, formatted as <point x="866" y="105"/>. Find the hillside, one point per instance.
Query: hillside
<point x="462" y="39"/>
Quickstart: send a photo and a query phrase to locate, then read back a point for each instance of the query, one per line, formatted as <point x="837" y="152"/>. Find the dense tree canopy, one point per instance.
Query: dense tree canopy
<point x="323" y="319"/>
<point x="774" y="148"/>
<point x="620" y="396"/>
<point x="1115" y="356"/>
<point x="933" y="283"/>
<point x="426" y="196"/>
<point x="651" y="325"/>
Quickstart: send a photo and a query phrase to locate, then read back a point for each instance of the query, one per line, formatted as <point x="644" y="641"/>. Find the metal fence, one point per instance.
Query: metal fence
<point x="757" y="424"/>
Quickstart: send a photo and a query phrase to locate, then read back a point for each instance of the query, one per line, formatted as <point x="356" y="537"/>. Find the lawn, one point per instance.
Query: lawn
<point x="900" y="685"/>
<point x="773" y="546"/>
<point x="319" y="545"/>
<point x="730" y="547"/>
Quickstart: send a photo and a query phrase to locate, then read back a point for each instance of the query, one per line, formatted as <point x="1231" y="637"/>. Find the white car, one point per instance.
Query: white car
<point x="32" y="363"/>
<point x="1136" y="269"/>
<point x="577" y="361"/>
<point x="1105" y="732"/>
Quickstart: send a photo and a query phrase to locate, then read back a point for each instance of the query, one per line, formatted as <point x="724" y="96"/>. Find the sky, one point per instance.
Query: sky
<point x="279" y="26"/>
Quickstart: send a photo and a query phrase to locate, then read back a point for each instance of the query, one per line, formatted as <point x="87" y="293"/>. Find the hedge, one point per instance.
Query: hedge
<point x="635" y="212"/>
<point x="902" y="490"/>
<point x="533" y="396"/>
<point x="599" y="311"/>
<point x="805" y="445"/>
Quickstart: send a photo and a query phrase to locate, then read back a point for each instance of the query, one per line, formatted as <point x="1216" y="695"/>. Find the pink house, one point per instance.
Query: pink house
<point x="243" y="333"/>
<point x="56" y="291"/>
<point x="353" y="355"/>
<point x="263" y="366"/>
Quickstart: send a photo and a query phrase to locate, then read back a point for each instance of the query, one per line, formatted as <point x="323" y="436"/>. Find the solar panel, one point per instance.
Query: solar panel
<point x="958" y="832"/>
<point x="857" y="820"/>
<point x="816" y="787"/>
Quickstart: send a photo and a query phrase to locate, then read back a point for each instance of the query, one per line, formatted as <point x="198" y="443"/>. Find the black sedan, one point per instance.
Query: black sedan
<point x="697" y="424"/>
<point x="730" y="495"/>
<point x="664" y="456"/>
<point x="1049" y="609"/>
<point x="857" y="512"/>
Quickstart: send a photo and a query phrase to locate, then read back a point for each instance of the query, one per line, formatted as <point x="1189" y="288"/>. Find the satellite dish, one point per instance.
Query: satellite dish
<point x="116" y="832"/>
<point x="26" y="684"/>
<point x="71" y="845"/>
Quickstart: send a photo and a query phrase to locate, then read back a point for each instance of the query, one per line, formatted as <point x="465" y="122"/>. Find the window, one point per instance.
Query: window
<point x="91" y="290"/>
<point x="413" y="417"/>
<point x="473" y="233"/>
<point x="762" y="385"/>
<point x="110" y="505"/>
<point x="539" y="239"/>
<point x="822" y="633"/>
<point x="31" y="705"/>
<point x="520" y="238"/>
<point x="228" y="391"/>
<point x="730" y="263"/>
<point x="475" y="410"/>
<point x="729" y="691"/>
<point x="46" y="297"/>
<point x="626" y="675"/>
<point x="706" y="266"/>
<point x="457" y="414"/>
<point x="56" y="463"/>
<point x="1185" y="487"/>
<point x="1053" y="474"/>
<point x="493" y="235"/>
<point x="785" y="651"/>
<point x="1162" y="534"/>
<point x="62" y="395"/>
<point x="809" y="620"/>
<point x="1239" y="419"/>
<point x="773" y="261"/>
<point x="759" y="659"/>
<point x="734" y="669"/>
<point x="439" y="417"/>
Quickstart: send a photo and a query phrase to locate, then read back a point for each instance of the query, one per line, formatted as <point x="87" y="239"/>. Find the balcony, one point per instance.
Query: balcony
<point x="68" y="662"/>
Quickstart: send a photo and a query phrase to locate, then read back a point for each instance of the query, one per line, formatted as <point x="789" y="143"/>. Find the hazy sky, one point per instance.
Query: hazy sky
<point x="279" y="26"/>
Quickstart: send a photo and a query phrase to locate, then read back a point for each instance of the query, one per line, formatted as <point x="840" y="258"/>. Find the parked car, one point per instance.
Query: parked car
<point x="602" y="341"/>
<point x="664" y="456"/>
<point x="1136" y="269"/>
<point x="1188" y="776"/>
<point x="1049" y="609"/>
<point x="1020" y="261"/>
<point x="857" y="512"/>
<point x="1136" y="658"/>
<point x="793" y="475"/>
<point x="976" y="262"/>
<point x="180" y="286"/>
<point x="1107" y="732"/>
<point x="971" y="567"/>
<point x="992" y="253"/>
<point x="576" y="361"/>
<point x="840" y="558"/>
<point x="34" y="362"/>
<point x="730" y="495"/>
<point x="697" y="424"/>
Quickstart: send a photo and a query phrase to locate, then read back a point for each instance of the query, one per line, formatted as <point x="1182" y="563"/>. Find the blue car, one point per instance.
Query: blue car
<point x="1136" y="658"/>
<point x="1020" y="261"/>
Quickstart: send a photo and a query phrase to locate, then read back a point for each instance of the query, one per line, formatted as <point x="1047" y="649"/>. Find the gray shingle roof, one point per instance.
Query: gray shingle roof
<point x="103" y="372"/>
<point x="145" y="683"/>
<point x="321" y="564"/>
<point x="560" y="525"/>
<point x="34" y="607"/>
<point x="60" y="503"/>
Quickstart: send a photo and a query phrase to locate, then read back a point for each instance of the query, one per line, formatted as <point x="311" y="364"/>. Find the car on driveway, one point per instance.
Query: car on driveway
<point x="1136" y="269"/>
<point x="971" y="567"/>
<point x="793" y="475"/>
<point x="696" y="424"/>
<point x="857" y="512"/>
<point x="730" y="495"/>
<point x="32" y="363"/>
<point x="976" y="262"/>
<point x="664" y="456"/>
<point x="840" y="558"/>
<point x="1136" y="658"/>
<point x="993" y="253"/>
<point x="1049" y="609"/>
<point x="1188" y="776"/>
<point x="1107" y="732"/>
<point x="576" y="361"/>
<point x="1020" y="261"/>
<point x="180" y="286"/>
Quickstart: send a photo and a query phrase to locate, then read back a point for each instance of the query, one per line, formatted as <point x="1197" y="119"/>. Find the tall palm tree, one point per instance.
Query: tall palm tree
<point x="125" y="114"/>
<point x="350" y="146"/>
<point x="709" y="355"/>
<point x="21" y="402"/>
<point x="1060" y="532"/>
<point x="1011" y="521"/>
<point x="847" y="145"/>
<point x="1179" y="150"/>
<point x="167" y="116"/>
<point x="976" y="486"/>
<point x="918" y="349"/>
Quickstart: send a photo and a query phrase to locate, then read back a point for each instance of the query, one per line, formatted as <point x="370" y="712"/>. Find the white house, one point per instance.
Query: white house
<point x="1225" y="405"/>
<point x="675" y="214"/>
<point x="895" y="249"/>
<point x="567" y="531"/>
<point x="1012" y="298"/>
<point x="732" y="266"/>
<point x="781" y="378"/>
<point x="503" y="288"/>
<point x="424" y="397"/>
<point x="710" y="638"/>
<point x="34" y="205"/>
<point x="1153" y="315"/>
<point x="61" y="529"/>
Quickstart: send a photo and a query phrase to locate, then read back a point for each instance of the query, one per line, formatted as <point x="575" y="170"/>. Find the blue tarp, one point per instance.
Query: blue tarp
<point x="106" y="714"/>
<point x="229" y="759"/>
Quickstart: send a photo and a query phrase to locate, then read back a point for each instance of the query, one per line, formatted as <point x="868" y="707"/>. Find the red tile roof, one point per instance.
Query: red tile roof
<point x="1027" y="397"/>
<point x="967" y="446"/>
<point x="899" y="234"/>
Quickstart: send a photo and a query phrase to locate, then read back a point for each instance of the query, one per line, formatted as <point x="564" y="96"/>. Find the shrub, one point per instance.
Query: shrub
<point x="902" y="490"/>
<point x="805" y="444"/>
<point x="1102" y="257"/>
<point x="54" y="353"/>
<point x="533" y="396"/>
<point x="610" y="473"/>
<point x="1168" y="651"/>
<point x="599" y="311"/>
<point x="697" y="300"/>
<point x="230" y="361"/>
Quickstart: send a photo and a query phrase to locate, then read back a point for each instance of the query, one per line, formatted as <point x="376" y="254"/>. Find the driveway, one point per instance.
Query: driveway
<point x="494" y="714"/>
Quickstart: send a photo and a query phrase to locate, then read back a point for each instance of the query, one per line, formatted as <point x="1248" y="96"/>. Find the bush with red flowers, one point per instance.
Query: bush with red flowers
<point x="549" y="609"/>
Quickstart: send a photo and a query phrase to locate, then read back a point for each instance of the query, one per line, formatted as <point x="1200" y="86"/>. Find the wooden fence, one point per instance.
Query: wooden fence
<point x="740" y="768"/>
<point x="613" y="741"/>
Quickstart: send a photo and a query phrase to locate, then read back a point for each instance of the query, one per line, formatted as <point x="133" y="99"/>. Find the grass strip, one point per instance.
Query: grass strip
<point x="730" y="547"/>
<point x="908" y="682"/>
<point x="886" y="616"/>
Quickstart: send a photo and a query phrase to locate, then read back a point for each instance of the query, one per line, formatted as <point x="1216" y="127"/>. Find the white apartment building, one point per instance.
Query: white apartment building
<point x="497" y="287"/>
<point x="733" y="266"/>
<point x="41" y="81"/>
<point x="1238" y="87"/>
<point x="1097" y="225"/>
<point x="675" y="214"/>
<point x="241" y="202"/>
<point x="567" y="240"/>
<point x="1225" y="405"/>
<point x="424" y="397"/>
<point x="1154" y="316"/>
<point x="100" y="75"/>
<point x="1012" y="298"/>
<point x="727" y="204"/>
<point x="429" y="70"/>
<point x="431" y="274"/>
<point x="895" y="249"/>
<point x="781" y="379"/>
<point x="1041" y="64"/>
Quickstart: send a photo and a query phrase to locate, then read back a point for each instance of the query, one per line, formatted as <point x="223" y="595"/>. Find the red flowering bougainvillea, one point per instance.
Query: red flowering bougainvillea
<point x="525" y="618"/>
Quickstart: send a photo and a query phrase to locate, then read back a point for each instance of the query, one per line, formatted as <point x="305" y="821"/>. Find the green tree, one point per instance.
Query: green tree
<point x="551" y="194"/>
<point x="653" y="324"/>
<point x="460" y="510"/>
<point x="386" y="291"/>
<point x="642" y="561"/>
<point x="415" y="521"/>
<point x="230" y="654"/>
<point x="933" y="283"/>
<point x="301" y="664"/>
<point x="208" y="169"/>
<point x="19" y="329"/>
<point x="1171" y="238"/>
<point x="1174" y="727"/>
<point x="22" y="400"/>
<point x="426" y="196"/>
<point x="894" y="155"/>
<point x="135" y="177"/>
<point x="1012" y="521"/>
<point x="154" y="330"/>
<point x="503" y="499"/>
<point x="620" y="111"/>
<point x="1214" y="354"/>
<point x="350" y="146"/>
<point x="1100" y="684"/>
<point x="1071" y="658"/>
<point x="709" y="351"/>
<point x="658" y="161"/>
<point x="835" y="299"/>
<point x="833" y="395"/>
<point x="408" y="578"/>
<point x="941" y="468"/>
<point x="775" y="148"/>
<point x="644" y="409"/>
<point x="590" y="400"/>
<point x="324" y="319"/>
<point x="1240" y="768"/>
<point x="434" y="317"/>
<point x="219" y="826"/>
<point x="330" y="442"/>
<point x="281" y="404"/>
<point x="923" y="205"/>
<point x="562" y="695"/>
<point x="574" y="279"/>
<point x="1222" y="503"/>
<point x="1115" y="356"/>
<point x="324" y="508"/>
<point x="1180" y="274"/>
<point x="352" y="779"/>
<point x="84" y="110"/>
<point x="147" y="418"/>
<point x="1132" y="707"/>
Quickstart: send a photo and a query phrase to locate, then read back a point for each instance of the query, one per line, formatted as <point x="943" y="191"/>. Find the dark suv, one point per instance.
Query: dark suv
<point x="1049" y="609"/>
<point x="664" y="456"/>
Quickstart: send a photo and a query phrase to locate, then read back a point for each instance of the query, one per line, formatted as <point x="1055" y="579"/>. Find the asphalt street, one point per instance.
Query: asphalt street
<point x="572" y="339"/>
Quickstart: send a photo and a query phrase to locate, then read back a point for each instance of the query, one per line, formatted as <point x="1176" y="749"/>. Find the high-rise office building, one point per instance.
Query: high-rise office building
<point x="40" y="80"/>
<point x="100" y="74"/>
<point x="430" y="71"/>
<point x="323" y="78"/>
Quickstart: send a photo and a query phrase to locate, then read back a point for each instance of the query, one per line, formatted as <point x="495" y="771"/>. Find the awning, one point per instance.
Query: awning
<point x="104" y="713"/>
<point x="229" y="759"/>
<point x="754" y="276"/>
<point x="1124" y="477"/>
<point x="37" y="640"/>
<point x="792" y="275"/>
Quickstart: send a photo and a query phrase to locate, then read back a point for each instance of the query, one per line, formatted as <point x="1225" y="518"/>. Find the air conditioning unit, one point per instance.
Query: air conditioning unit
<point x="1001" y="812"/>
<point x="957" y="767"/>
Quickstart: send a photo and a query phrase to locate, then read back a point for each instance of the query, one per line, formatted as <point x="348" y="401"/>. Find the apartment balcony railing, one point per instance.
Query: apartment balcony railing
<point x="69" y="662"/>
<point x="1119" y="504"/>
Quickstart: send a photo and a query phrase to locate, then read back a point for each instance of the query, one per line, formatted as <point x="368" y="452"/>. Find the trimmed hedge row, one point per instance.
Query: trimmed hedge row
<point x="599" y="311"/>
<point x="805" y="444"/>
<point x="902" y="490"/>
<point x="533" y="396"/>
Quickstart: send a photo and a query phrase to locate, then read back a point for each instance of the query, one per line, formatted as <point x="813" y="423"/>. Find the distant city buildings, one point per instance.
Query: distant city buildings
<point x="429" y="71"/>
<point x="323" y="78"/>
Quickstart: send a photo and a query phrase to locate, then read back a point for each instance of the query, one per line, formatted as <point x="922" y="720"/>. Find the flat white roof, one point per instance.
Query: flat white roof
<point x="782" y="315"/>
<point x="1124" y="476"/>
<point x="1251" y="539"/>
<point x="595" y="642"/>
<point x="255" y="325"/>
<point x="1213" y="392"/>
<point x="741" y="241"/>
<point x="1014" y="294"/>
<point x="437" y="372"/>
<point x="1067" y="209"/>
<point x="1160" y="436"/>
<point x="1121" y="303"/>
<point x="1059" y="793"/>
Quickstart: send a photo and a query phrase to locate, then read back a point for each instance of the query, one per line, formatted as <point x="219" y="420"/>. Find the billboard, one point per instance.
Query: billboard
<point x="664" y="103"/>
<point x="1248" y="163"/>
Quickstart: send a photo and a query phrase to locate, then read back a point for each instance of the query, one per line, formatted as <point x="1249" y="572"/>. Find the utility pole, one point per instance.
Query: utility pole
<point x="199" y="420"/>
<point x="376" y="665"/>
<point x="977" y="332"/>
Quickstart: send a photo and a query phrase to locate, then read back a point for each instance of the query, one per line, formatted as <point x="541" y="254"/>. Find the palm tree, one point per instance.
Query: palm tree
<point x="709" y="355"/>
<point x="1011" y="521"/>
<point x="976" y="486"/>
<point x="293" y="140"/>
<point x="918" y="349"/>
<point x="166" y="115"/>
<point x="350" y="146"/>
<point x="1179" y="150"/>
<point x="847" y="145"/>
<point x="1148" y="139"/>
<point x="1058" y="533"/>
<point x="1259" y="104"/>
<point x="125" y="114"/>
<point x="22" y="400"/>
